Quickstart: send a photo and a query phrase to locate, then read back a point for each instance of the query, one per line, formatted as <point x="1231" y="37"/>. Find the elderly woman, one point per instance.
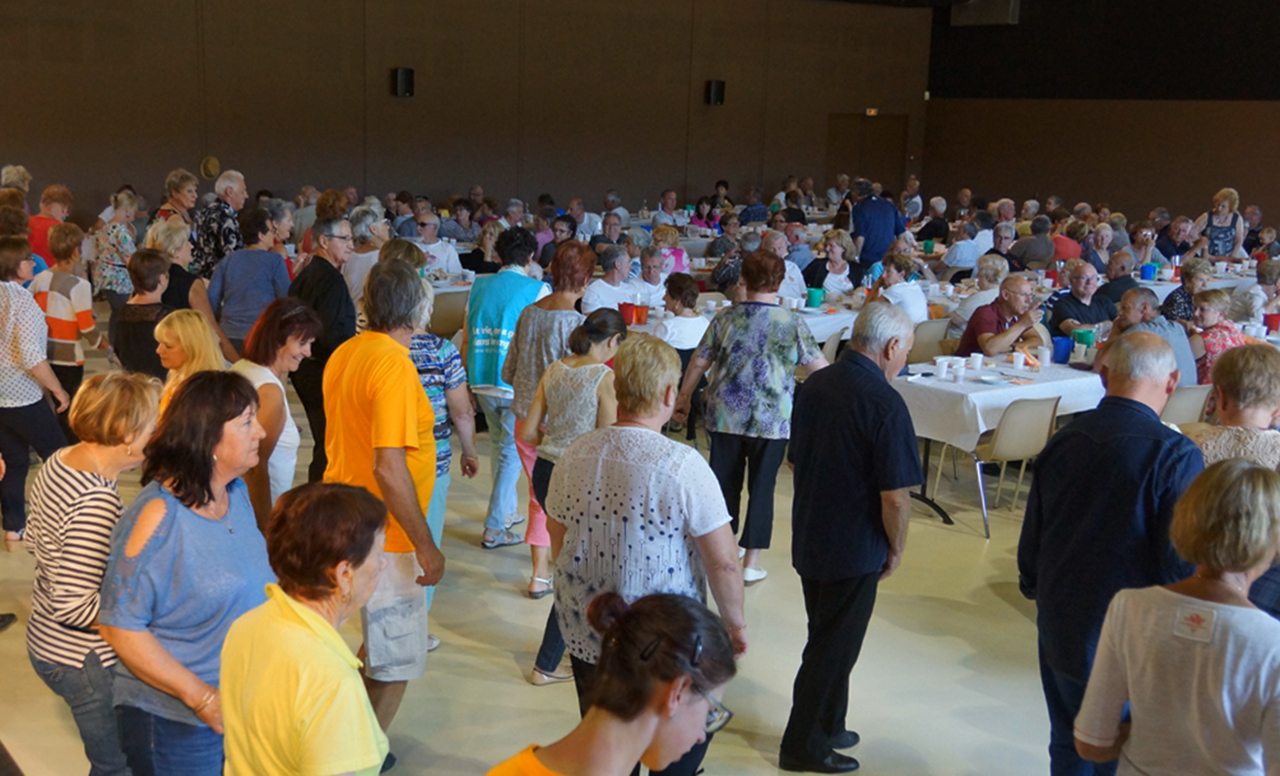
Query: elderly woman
<point x="896" y="288"/>
<point x="990" y="273"/>
<point x="1195" y="663"/>
<point x="134" y="329"/>
<point x="180" y="191"/>
<point x="293" y="700"/>
<point x="649" y="706"/>
<point x="459" y="226"/>
<point x="26" y="420"/>
<point x="248" y="280"/>
<point x="1142" y="245"/>
<point x="1218" y="333"/>
<point x="274" y="349"/>
<point x="112" y="247"/>
<point x="370" y="231"/>
<point x="1224" y="227"/>
<point x="686" y="328"/>
<point x="1179" y="304"/>
<point x="684" y="543"/>
<point x="674" y="258"/>
<point x="1098" y="255"/>
<point x="187" y="559"/>
<point x="542" y="337"/>
<point x="484" y="259"/>
<point x="185" y="291"/>
<point x="755" y="347"/>
<point x="1246" y="387"/>
<point x="834" y="274"/>
<point x="331" y="204"/>
<point x="280" y="214"/>
<point x="185" y="346"/>
<point x="74" y="505"/>
<point x="730" y="226"/>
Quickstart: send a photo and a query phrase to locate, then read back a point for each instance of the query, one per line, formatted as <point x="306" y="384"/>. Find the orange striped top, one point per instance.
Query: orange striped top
<point x="67" y="302"/>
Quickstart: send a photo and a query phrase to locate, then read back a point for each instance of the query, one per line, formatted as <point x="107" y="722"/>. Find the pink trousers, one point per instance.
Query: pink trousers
<point x="536" y="533"/>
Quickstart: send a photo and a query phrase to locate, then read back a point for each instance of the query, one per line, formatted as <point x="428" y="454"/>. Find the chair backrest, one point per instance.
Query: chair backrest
<point x="928" y="335"/>
<point x="1024" y="428"/>
<point x="949" y="274"/>
<point x="1043" y="331"/>
<point x="1186" y="405"/>
<point x="710" y="296"/>
<point x="830" y="346"/>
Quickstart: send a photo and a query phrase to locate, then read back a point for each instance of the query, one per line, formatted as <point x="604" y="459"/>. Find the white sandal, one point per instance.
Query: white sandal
<point x="541" y="593"/>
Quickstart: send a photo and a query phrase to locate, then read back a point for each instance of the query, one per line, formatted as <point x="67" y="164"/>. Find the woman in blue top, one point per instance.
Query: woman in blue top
<point x="186" y="560"/>
<point x="246" y="281"/>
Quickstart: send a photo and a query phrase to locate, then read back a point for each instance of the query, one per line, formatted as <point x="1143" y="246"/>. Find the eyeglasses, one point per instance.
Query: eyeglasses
<point x="31" y="259"/>
<point x="718" y="716"/>
<point x="346" y="237"/>
<point x="425" y="224"/>
<point x="1084" y="279"/>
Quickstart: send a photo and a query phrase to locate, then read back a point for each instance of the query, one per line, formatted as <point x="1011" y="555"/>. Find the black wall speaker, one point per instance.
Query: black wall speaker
<point x="715" y="92"/>
<point x="402" y="82"/>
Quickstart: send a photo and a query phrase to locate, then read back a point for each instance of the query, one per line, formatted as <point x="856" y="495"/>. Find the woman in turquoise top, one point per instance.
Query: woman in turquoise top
<point x="186" y="560"/>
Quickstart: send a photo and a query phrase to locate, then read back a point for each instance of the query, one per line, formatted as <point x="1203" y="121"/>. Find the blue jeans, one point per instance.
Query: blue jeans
<point x="1064" y="695"/>
<point x="503" y="459"/>
<point x="157" y="746"/>
<point x="435" y="519"/>
<point x="88" y="692"/>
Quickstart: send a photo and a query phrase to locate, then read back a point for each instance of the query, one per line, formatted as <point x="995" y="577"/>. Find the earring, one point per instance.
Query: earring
<point x="215" y="457"/>
<point x="128" y="449"/>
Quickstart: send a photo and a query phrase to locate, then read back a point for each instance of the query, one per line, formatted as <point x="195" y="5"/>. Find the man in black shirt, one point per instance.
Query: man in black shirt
<point x="321" y="286"/>
<point x="1084" y="306"/>
<point x="1119" y="277"/>
<point x="936" y="228"/>
<point x="849" y="426"/>
<point x="1172" y="240"/>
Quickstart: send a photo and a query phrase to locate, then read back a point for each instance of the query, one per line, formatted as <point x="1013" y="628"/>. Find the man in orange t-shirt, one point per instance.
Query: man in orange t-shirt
<point x="379" y="435"/>
<point x="55" y="204"/>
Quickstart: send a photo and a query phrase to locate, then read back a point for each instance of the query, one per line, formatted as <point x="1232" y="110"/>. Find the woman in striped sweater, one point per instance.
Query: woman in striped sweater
<point x="74" y="507"/>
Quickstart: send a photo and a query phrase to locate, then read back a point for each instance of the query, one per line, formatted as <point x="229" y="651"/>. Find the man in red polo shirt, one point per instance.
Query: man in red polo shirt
<point x="1007" y="322"/>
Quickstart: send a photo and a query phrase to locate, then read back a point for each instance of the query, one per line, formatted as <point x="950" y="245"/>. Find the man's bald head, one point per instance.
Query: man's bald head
<point x="1119" y="265"/>
<point x="794" y="233"/>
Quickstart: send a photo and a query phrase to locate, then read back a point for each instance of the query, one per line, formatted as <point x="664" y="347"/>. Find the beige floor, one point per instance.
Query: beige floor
<point x="947" y="682"/>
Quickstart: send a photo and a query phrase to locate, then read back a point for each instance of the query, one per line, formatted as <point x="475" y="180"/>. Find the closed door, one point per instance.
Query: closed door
<point x="873" y="147"/>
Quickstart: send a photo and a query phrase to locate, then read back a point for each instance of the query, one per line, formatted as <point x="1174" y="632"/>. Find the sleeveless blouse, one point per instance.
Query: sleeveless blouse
<point x="572" y="405"/>
<point x="1222" y="239"/>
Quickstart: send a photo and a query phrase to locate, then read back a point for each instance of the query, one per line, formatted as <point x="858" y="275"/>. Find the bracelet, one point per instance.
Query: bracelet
<point x="735" y="628"/>
<point x="686" y="396"/>
<point x="208" y="698"/>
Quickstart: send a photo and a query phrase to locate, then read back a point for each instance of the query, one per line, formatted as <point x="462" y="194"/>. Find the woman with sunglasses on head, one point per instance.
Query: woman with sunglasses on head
<point x="664" y="663"/>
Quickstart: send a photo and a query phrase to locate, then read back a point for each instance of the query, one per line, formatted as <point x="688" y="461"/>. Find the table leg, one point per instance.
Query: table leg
<point x="922" y="496"/>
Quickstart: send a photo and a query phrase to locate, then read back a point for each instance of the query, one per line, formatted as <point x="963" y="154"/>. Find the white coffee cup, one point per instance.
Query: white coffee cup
<point x="943" y="372"/>
<point x="1220" y="267"/>
<point x="710" y="305"/>
<point x="1019" y="360"/>
<point x="957" y="373"/>
<point x="975" y="361"/>
<point x="1044" y="354"/>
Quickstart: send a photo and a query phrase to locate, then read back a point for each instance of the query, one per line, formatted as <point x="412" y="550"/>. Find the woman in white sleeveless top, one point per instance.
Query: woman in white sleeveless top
<point x="275" y="347"/>
<point x="575" y="396"/>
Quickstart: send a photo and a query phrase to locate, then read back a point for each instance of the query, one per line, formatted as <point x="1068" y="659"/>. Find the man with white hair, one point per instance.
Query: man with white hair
<point x="912" y="202"/>
<point x="217" y="228"/>
<point x="798" y="251"/>
<point x="1139" y="310"/>
<point x="1006" y="211"/>
<point x="1092" y="530"/>
<point x="440" y="254"/>
<point x="514" y="215"/>
<point x="588" y="223"/>
<point x="305" y="215"/>
<point x="937" y="227"/>
<point x="845" y="540"/>
<point x="614" y="287"/>
<point x="1030" y="209"/>
<point x="836" y="194"/>
<point x="613" y="204"/>
<point x="793" y="286"/>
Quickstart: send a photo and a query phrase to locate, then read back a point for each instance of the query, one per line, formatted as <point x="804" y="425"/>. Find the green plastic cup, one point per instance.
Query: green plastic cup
<point x="1083" y="337"/>
<point x="928" y="246"/>
<point x="815" y="296"/>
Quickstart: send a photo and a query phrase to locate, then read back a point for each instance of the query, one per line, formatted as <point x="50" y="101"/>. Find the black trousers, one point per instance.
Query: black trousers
<point x="838" y="614"/>
<point x="21" y="429"/>
<point x="69" y="377"/>
<point x="584" y="679"/>
<point x="734" y="458"/>
<point x="308" y="381"/>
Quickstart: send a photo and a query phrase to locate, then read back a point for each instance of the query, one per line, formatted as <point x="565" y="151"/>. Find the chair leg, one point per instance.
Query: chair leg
<point x="937" y="480"/>
<point x="1022" y="469"/>
<point x="955" y="467"/>
<point x="982" y="496"/>
<point x="1000" y="484"/>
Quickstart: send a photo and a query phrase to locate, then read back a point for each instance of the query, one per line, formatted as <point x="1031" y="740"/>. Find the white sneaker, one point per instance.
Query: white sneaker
<point x="742" y="551"/>
<point x="432" y="643"/>
<point x="751" y="576"/>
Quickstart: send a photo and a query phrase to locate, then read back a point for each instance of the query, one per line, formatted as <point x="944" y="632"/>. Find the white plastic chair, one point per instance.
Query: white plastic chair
<point x="830" y="347"/>
<point x="710" y="296"/>
<point x="1021" y="434"/>
<point x="928" y="335"/>
<point x="1186" y="405"/>
<point x="951" y="272"/>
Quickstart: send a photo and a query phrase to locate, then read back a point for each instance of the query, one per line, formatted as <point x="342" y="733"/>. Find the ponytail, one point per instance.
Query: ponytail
<point x="598" y="327"/>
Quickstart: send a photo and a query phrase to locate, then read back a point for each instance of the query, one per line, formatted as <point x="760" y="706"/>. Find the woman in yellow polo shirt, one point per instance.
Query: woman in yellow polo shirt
<point x="664" y="662"/>
<point x="293" y="701"/>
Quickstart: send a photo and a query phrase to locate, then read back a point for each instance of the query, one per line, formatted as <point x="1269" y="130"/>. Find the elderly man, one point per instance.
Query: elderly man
<point x="402" y="222"/>
<point x="610" y="233"/>
<point x="963" y="253"/>
<point x="1003" y="236"/>
<point x="514" y="214"/>
<point x="911" y="201"/>
<point x="1098" y="520"/>
<point x="476" y="195"/>
<point x="809" y="197"/>
<point x="1006" y="212"/>
<point x="55" y="204"/>
<point x="614" y="288"/>
<point x="1160" y="219"/>
<point x="1007" y="323"/>
<point x="459" y="225"/>
<point x="1036" y="249"/>
<point x="613" y="204"/>
<point x="793" y="286"/>
<point x="305" y="215"/>
<point x="876" y="224"/>
<point x="846" y="539"/>
<point x="1030" y="209"/>
<point x="490" y="317"/>
<point x="353" y="198"/>
<point x="1119" y="277"/>
<point x="650" y="285"/>
<point x="961" y="208"/>
<point x="1083" y="307"/>
<point x="756" y="212"/>
<point x="986" y="224"/>
<point x="323" y="288"/>
<point x="588" y="223"/>
<point x="1250" y="302"/>
<point x="1253" y="219"/>
<point x="666" y="213"/>
<point x="217" y="230"/>
<point x="1174" y="238"/>
<point x="562" y="229"/>
<point x="836" y="194"/>
<point x="990" y="273"/>
<point x="440" y="255"/>
<point x="1139" y="310"/>
<point x="936" y="228"/>
<point x="798" y="251"/>
<point x="382" y="438"/>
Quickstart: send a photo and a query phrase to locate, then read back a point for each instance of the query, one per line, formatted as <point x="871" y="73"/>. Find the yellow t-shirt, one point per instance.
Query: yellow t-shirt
<point x="293" y="702"/>
<point x="372" y="398"/>
<point x="523" y="764"/>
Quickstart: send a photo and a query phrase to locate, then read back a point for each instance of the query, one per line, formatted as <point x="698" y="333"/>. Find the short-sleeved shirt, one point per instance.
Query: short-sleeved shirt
<point x="373" y="398"/>
<point x="850" y="426"/>
<point x="1247" y="304"/>
<point x="524" y="764"/>
<point x="877" y="222"/>
<point x="39" y="237"/>
<point x="243" y="284"/>
<point x="24" y="331"/>
<point x="440" y="369"/>
<point x="1176" y="336"/>
<point x="113" y="245"/>
<point x="1178" y="305"/>
<point x="632" y="503"/>
<point x="1098" y="310"/>
<point x="985" y="320"/>
<point x="1115" y="289"/>
<point x="293" y="701"/>
<point x="1065" y="248"/>
<point x="754" y="349"/>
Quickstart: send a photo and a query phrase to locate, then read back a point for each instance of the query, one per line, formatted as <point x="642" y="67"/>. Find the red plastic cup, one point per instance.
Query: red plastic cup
<point x="1272" y="320"/>
<point x="1052" y="275"/>
<point x="641" y="314"/>
<point x="628" y="311"/>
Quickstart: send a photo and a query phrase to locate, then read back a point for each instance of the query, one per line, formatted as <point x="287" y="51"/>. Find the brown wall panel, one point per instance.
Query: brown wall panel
<point x="1134" y="155"/>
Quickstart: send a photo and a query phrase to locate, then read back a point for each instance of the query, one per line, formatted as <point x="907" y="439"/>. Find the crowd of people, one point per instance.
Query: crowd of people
<point x="204" y="614"/>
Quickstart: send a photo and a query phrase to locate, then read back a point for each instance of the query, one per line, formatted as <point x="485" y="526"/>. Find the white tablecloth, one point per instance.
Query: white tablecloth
<point x="1228" y="282"/>
<point x="821" y="326"/>
<point x="959" y="413"/>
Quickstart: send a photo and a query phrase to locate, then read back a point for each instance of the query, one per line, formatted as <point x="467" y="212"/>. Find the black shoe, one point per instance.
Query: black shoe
<point x="388" y="763"/>
<point x="6" y="620"/>
<point x="845" y="740"/>
<point x="832" y="763"/>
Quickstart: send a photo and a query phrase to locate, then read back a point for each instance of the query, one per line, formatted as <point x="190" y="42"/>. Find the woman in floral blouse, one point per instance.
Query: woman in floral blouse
<point x="1218" y="332"/>
<point x="113" y="245"/>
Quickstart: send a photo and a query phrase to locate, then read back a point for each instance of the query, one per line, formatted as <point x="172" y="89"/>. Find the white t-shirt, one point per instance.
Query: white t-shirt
<point x="682" y="333"/>
<point x="623" y="214"/>
<point x="838" y="284"/>
<point x="284" y="456"/>
<point x="1247" y="303"/>
<point x="793" y="282"/>
<point x="963" y="254"/>
<point x="655" y="296"/>
<point x="600" y="294"/>
<point x="355" y="271"/>
<point x="442" y="255"/>
<point x="965" y="309"/>
<point x="985" y="240"/>
<point x="661" y="218"/>
<point x="1202" y="681"/>
<point x="632" y="502"/>
<point x="589" y="227"/>
<point x="910" y="298"/>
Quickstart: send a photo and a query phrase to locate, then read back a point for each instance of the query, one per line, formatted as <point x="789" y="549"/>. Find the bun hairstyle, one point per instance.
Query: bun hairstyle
<point x="658" y="638"/>
<point x="598" y="327"/>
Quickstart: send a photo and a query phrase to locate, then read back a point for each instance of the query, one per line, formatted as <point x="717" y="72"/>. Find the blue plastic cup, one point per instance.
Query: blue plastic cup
<point x="1062" y="349"/>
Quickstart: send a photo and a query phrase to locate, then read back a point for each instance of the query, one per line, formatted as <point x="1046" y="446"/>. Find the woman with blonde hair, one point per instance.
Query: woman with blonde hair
<point x="837" y="274"/>
<point x="180" y="189"/>
<point x="112" y="247"/>
<point x="1195" y="661"/>
<point x="1218" y="333"/>
<point x="485" y="259"/>
<point x="674" y="258"/>
<point x="1224" y="227"/>
<point x="185" y="345"/>
<point x="172" y="237"/>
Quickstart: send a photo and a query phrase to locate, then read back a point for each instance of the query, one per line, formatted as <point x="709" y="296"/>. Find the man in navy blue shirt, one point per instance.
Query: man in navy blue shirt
<point x="876" y="223"/>
<point x="756" y="212"/>
<point x="1098" y="521"/>
<point x="851" y="427"/>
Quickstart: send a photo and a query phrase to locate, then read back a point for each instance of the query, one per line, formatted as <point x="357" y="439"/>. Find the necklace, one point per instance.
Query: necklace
<point x="213" y="505"/>
<point x="1235" y="587"/>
